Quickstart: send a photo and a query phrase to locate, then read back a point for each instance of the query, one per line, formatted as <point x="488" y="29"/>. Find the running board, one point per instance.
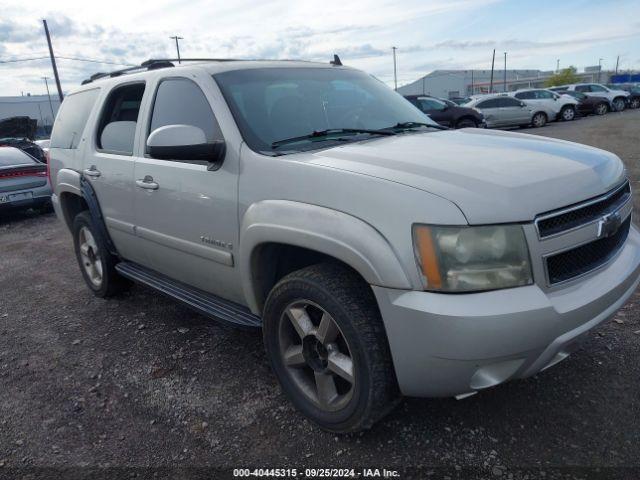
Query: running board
<point x="202" y="302"/>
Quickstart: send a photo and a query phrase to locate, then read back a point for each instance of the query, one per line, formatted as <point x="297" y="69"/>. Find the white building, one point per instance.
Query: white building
<point x="37" y="107"/>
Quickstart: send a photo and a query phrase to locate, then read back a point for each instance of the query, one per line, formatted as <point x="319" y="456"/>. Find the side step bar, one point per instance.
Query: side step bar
<point x="202" y="302"/>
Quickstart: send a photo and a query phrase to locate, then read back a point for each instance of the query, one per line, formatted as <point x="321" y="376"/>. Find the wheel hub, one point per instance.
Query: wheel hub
<point x="315" y="353"/>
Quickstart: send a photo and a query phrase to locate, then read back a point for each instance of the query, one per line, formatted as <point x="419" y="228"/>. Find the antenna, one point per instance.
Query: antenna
<point x="336" y="61"/>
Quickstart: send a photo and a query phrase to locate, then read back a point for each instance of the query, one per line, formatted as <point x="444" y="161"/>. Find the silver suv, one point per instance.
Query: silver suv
<point x="379" y="255"/>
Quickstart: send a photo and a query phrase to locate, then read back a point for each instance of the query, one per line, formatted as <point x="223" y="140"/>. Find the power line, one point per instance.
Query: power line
<point x="77" y="59"/>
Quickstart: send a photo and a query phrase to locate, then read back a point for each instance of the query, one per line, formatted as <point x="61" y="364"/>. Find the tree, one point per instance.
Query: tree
<point x="563" y="77"/>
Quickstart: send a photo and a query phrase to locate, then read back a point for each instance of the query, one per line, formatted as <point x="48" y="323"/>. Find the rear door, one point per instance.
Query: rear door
<point x="186" y="214"/>
<point x="513" y="111"/>
<point x="109" y="162"/>
<point x="491" y="111"/>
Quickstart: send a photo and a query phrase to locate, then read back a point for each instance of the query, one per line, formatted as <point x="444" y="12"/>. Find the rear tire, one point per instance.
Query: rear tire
<point x="567" y="113"/>
<point x="328" y="348"/>
<point x="601" y="108"/>
<point x="96" y="263"/>
<point x="539" y="119"/>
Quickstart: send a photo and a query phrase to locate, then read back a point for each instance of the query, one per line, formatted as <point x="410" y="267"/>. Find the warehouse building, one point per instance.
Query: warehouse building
<point x="37" y="107"/>
<point x="462" y="83"/>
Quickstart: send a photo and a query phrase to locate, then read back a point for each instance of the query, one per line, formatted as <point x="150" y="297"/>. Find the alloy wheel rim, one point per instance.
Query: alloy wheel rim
<point x="568" y="114"/>
<point x="538" y="121"/>
<point x="90" y="256"/>
<point x="316" y="355"/>
<point x="601" y="109"/>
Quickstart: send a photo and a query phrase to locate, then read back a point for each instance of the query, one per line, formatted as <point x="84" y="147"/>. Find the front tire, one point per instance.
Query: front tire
<point x="539" y="120"/>
<point x="466" y="123"/>
<point x="96" y="263"/>
<point x="618" y="104"/>
<point x="634" y="103"/>
<point x="567" y="114"/>
<point x="327" y="345"/>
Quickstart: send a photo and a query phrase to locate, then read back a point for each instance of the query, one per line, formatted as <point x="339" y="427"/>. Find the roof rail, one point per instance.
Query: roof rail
<point x="152" y="64"/>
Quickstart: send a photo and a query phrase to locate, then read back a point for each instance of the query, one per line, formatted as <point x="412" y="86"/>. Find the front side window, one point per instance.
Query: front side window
<point x="493" y="103"/>
<point x="525" y="95"/>
<point x="179" y="101"/>
<point x="598" y="88"/>
<point x="72" y="118"/>
<point x="506" y="102"/>
<point x="275" y="104"/>
<point x="583" y="88"/>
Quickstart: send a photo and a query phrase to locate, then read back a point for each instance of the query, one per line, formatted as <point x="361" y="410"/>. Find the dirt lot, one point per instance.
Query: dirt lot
<point x="139" y="381"/>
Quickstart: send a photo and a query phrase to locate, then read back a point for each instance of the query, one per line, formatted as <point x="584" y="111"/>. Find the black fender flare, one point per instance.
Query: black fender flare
<point x="89" y="195"/>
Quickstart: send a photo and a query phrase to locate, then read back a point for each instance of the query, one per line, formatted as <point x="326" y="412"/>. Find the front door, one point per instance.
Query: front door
<point x="186" y="214"/>
<point x="513" y="112"/>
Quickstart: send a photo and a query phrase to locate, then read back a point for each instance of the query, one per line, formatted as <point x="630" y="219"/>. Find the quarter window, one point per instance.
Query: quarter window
<point x="179" y="101"/>
<point x="72" y="118"/>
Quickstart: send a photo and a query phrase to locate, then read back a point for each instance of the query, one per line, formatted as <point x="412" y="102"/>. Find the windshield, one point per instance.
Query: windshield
<point x="275" y="104"/>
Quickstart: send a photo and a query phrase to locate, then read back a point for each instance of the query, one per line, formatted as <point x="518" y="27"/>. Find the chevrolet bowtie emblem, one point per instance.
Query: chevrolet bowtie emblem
<point x="609" y="225"/>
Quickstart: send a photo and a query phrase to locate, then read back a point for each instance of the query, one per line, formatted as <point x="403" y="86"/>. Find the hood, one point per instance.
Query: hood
<point x="492" y="176"/>
<point x="18" y="127"/>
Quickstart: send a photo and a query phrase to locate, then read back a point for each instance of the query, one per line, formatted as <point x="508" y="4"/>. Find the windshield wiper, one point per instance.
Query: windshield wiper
<point x="410" y="125"/>
<point x="328" y="132"/>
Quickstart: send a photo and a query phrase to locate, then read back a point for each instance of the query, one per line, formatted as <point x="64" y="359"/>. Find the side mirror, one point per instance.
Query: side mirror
<point x="184" y="143"/>
<point x="522" y="104"/>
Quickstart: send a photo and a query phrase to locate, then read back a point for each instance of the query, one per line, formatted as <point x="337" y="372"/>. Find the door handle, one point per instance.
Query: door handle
<point x="147" y="183"/>
<point x="92" y="172"/>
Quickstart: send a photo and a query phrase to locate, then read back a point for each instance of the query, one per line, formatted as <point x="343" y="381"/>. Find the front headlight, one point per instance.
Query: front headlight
<point x="467" y="259"/>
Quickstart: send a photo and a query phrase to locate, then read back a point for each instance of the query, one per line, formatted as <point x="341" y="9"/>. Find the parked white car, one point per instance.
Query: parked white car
<point x="500" y="110"/>
<point x="554" y="105"/>
<point x="618" y="98"/>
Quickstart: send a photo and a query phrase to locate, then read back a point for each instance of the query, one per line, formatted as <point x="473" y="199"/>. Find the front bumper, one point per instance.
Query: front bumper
<point x="453" y="344"/>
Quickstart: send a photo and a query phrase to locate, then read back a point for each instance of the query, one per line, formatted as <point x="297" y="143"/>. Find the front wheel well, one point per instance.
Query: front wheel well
<point x="270" y="262"/>
<point x="71" y="205"/>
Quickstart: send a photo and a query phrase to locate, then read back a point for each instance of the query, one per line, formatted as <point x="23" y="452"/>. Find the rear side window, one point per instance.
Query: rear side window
<point x="72" y="118"/>
<point x="582" y="88"/>
<point x="117" y="127"/>
<point x="493" y="103"/>
<point x="525" y="95"/>
<point x="179" y="101"/>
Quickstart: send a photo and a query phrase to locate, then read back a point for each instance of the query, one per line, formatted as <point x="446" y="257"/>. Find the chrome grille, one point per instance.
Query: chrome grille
<point x="557" y="222"/>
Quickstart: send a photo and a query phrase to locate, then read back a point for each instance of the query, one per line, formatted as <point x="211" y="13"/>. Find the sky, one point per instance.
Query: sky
<point x="428" y="34"/>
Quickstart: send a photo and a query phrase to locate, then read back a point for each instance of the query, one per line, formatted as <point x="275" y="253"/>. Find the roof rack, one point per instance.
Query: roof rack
<point x="157" y="63"/>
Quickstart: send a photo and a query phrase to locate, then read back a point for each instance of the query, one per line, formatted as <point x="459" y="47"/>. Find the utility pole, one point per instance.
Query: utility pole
<point x="53" y="61"/>
<point x="493" y="61"/>
<point x="176" y="38"/>
<point x="53" y="115"/>
<point x="557" y="65"/>
<point x="505" y="71"/>
<point x="395" y="69"/>
<point x="472" y="92"/>
<point x="600" y="69"/>
<point x="617" y="63"/>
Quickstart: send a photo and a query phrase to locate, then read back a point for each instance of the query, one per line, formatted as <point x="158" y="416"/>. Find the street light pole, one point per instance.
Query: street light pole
<point x="53" y="115"/>
<point x="600" y="69"/>
<point x="395" y="69"/>
<point x="505" y="71"/>
<point x="176" y="38"/>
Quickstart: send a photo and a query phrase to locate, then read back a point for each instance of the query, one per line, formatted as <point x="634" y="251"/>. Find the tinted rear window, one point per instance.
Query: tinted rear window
<point x="12" y="156"/>
<point x="72" y="118"/>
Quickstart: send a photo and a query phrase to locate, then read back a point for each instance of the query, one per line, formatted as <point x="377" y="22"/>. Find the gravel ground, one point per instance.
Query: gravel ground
<point x="140" y="381"/>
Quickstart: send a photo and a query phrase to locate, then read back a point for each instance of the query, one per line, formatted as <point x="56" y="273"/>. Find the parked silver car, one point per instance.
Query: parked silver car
<point x="504" y="111"/>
